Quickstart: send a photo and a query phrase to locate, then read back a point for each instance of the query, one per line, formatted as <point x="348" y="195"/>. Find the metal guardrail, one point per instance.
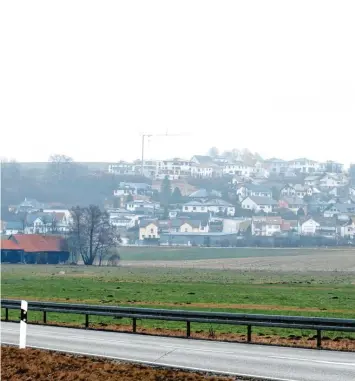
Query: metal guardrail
<point x="318" y="324"/>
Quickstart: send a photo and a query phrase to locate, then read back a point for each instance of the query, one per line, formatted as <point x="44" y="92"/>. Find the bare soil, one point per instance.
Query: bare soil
<point x="32" y="364"/>
<point x="332" y="260"/>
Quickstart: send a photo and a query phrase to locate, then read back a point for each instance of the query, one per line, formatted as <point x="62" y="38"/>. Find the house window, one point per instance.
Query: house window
<point x="152" y="230"/>
<point x="194" y="208"/>
<point x="202" y="208"/>
<point x="150" y="236"/>
<point x="185" y="207"/>
<point x="143" y="236"/>
<point x="186" y="230"/>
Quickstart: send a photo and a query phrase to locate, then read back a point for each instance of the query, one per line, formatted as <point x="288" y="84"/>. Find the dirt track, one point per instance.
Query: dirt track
<point x="330" y="261"/>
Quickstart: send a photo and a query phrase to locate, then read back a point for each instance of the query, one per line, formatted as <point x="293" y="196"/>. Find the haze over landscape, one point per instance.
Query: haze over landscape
<point x="86" y="78"/>
<point x="177" y="182"/>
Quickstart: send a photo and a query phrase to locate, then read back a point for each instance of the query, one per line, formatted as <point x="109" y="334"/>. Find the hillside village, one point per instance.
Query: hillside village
<point x="215" y="201"/>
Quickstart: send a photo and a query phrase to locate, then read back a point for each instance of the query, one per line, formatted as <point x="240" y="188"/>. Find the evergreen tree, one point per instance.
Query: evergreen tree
<point x="176" y="197"/>
<point x="165" y="191"/>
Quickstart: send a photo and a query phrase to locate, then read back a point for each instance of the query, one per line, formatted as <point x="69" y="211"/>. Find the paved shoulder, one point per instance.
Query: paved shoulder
<point x="278" y="363"/>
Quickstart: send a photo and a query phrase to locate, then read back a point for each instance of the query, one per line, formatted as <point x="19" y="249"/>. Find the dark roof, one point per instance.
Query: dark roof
<point x="294" y="201"/>
<point x="145" y="223"/>
<point x="195" y="216"/>
<point x="343" y="208"/>
<point x="203" y="193"/>
<point x="257" y="188"/>
<point x="199" y="193"/>
<point x="202" y="159"/>
<point x="136" y="185"/>
<point x="263" y="200"/>
<point x="193" y="223"/>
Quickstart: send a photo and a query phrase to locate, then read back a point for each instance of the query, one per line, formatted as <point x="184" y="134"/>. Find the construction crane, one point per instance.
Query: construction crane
<point x="148" y="136"/>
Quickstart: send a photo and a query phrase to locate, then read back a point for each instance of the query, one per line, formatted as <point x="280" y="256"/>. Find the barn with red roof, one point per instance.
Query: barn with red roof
<point x="34" y="248"/>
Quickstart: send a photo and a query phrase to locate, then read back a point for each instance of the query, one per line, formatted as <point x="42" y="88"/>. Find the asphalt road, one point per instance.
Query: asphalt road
<point x="276" y="363"/>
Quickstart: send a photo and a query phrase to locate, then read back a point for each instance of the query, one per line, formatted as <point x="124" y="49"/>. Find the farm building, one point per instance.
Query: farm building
<point x="34" y="248"/>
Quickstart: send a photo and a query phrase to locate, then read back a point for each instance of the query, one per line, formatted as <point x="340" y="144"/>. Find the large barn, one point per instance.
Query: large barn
<point x="34" y="248"/>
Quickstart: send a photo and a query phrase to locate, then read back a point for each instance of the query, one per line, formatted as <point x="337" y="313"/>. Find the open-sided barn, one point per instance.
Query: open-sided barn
<point x="34" y="248"/>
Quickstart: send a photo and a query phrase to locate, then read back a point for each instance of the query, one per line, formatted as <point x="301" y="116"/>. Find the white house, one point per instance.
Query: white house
<point x="121" y="221"/>
<point x="257" y="204"/>
<point x="288" y="190"/>
<point x="123" y="168"/>
<point x="203" y="166"/>
<point x="312" y="180"/>
<point x="132" y="206"/>
<point x="175" y="169"/>
<point x="213" y="206"/>
<point x="238" y="168"/>
<point x="253" y="190"/>
<point x="266" y="226"/>
<point x="309" y="227"/>
<point x="303" y="190"/>
<point x="331" y="180"/>
<point x="347" y="230"/>
<point x="275" y="165"/>
<point x="304" y="165"/>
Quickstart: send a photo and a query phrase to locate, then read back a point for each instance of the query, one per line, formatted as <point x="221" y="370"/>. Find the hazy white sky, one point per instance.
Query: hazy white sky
<point x="85" y="78"/>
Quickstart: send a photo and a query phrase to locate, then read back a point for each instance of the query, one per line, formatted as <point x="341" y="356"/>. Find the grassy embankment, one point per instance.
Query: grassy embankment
<point x="309" y="294"/>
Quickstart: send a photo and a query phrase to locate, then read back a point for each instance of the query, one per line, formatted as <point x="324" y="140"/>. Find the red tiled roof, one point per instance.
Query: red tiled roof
<point x="36" y="243"/>
<point x="6" y="244"/>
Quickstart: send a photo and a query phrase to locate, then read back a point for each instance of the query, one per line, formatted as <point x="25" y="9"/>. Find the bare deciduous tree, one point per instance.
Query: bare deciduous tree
<point x="91" y="234"/>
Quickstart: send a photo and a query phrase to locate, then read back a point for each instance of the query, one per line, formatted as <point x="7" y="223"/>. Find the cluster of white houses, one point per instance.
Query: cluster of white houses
<point x="207" y="167"/>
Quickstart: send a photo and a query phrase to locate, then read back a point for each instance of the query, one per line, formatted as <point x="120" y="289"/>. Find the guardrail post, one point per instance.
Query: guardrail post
<point x="188" y="329"/>
<point x="45" y="317"/>
<point x="134" y="325"/>
<point x="249" y="334"/>
<point x="86" y="321"/>
<point x="319" y="338"/>
<point x="6" y="314"/>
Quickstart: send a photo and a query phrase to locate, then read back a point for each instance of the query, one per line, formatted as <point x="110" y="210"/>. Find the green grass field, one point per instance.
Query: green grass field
<point x="195" y="253"/>
<point x="308" y="294"/>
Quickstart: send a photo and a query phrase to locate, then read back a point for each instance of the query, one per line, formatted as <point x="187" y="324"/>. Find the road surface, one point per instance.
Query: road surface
<point x="270" y="362"/>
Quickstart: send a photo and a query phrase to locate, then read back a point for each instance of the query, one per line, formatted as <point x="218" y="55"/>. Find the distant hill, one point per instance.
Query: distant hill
<point x="96" y="166"/>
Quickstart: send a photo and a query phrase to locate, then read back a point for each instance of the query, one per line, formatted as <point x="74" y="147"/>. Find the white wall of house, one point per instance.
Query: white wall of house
<point x="203" y="208"/>
<point x="331" y="181"/>
<point x="123" y="192"/>
<point x="12" y="231"/>
<point x="348" y="231"/>
<point x="304" y="165"/>
<point x="309" y="227"/>
<point x="239" y="169"/>
<point x="248" y="203"/>
<point x="196" y="208"/>
<point x="272" y="229"/>
<point x="201" y="171"/>
<point x="288" y="191"/>
<point x="243" y="192"/>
